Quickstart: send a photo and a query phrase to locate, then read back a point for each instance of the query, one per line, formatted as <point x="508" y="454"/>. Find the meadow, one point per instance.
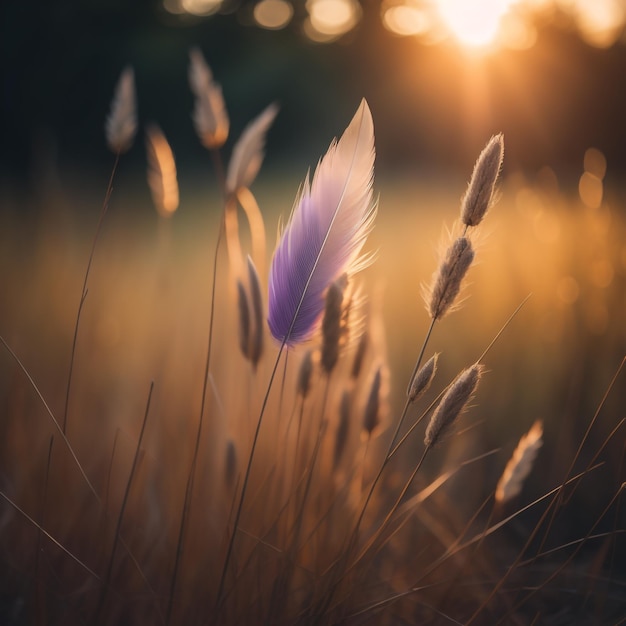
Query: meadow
<point x="140" y="493"/>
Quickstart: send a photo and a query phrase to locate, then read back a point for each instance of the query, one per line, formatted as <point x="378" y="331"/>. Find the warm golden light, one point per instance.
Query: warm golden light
<point x="173" y="6"/>
<point x="590" y="185"/>
<point x="162" y="178"/>
<point x="474" y="23"/>
<point x="504" y="23"/>
<point x="590" y="189"/>
<point x="404" y="19"/>
<point x="516" y="33"/>
<point x="273" y="14"/>
<point x="567" y="290"/>
<point x="601" y="273"/>
<point x="594" y="162"/>
<point x="329" y="19"/>
<point x="479" y="24"/>
<point x="601" y="22"/>
<point x="201" y="7"/>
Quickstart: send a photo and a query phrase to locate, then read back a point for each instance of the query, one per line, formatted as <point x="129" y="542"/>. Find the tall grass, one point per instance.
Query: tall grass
<point x="222" y="476"/>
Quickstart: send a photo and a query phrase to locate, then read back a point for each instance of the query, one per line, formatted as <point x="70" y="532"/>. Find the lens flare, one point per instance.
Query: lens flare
<point x="476" y="23"/>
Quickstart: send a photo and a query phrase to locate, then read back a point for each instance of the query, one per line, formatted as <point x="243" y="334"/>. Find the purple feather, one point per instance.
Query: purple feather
<point x="323" y="239"/>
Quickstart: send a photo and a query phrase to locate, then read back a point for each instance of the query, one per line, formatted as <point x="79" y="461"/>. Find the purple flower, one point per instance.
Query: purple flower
<point x="328" y="227"/>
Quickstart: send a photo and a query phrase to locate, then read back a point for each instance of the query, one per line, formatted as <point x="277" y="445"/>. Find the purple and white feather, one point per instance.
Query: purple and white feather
<point x="325" y="234"/>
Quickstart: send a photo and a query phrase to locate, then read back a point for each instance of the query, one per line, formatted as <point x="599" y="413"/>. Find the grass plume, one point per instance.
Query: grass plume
<point x="210" y="116"/>
<point x="479" y="195"/>
<point x="447" y="280"/>
<point x="452" y="404"/>
<point x="121" y="124"/>
<point x="520" y="464"/>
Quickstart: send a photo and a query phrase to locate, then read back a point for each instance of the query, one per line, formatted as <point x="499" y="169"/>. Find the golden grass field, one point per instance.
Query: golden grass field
<point x="146" y="319"/>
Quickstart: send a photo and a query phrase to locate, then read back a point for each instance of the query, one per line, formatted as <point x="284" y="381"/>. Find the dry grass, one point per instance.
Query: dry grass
<point x="332" y="529"/>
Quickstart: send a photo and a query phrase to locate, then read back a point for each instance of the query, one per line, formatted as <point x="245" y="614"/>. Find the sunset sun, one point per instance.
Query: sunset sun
<point x="474" y="24"/>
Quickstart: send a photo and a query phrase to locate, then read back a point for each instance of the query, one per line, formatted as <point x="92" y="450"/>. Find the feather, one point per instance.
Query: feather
<point x="247" y="156"/>
<point x="325" y="234"/>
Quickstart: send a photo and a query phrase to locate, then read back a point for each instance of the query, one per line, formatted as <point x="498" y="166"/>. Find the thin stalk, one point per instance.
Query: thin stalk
<point x="53" y="418"/>
<point x="120" y="517"/>
<point x="217" y="162"/>
<point x="388" y="453"/>
<point x="244" y="486"/>
<point x="295" y="531"/>
<point x="83" y="293"/>
<point x="391" y="449"/>
<point x="261" y="540"/>
<point x="552" y="505"/>
<point x="355" y="532"/>
<point x="567" y="561"/>
<point x="478" y="360"/>
<point x="418" y="362"/>
<point x="580" y="447"/>
<point x="282" y="391"/>
<point x="76" y="461"/>
<point x="39" y="583"/>
<point x="46" y="534"/>
<point x="456" y="549"/>
<point x="391" y="512"/>
<point x="460" y="573"/>
<point x="257" y="226"/>
<point x="107" y="493"/>
<point x="345" y="567"/>
<point x="282" y="583"/>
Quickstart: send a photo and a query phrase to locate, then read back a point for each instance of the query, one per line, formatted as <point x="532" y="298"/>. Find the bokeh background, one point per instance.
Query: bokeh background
<point x="440" y="77"/>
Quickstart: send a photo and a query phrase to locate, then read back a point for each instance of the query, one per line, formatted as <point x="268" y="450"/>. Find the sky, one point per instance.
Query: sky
<point x="550" y="74"/>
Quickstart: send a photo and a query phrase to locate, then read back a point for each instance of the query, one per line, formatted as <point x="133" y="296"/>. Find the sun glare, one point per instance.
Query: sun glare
<point x="474" y="23"/>
<point x="483" y="25"/>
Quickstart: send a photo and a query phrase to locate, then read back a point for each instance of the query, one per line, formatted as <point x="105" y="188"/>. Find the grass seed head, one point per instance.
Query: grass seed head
<point x="121" y="124"/>
<point x="422" y="379"/>
<point x="248" y="153"/>
<point x="332" y="325"/>
<point x="520" y="464"/>
<point x="210" y="116"/>
<point x="447" y="279"/>
<point x="162" y="178"/>
<point x="452" y="404"/>
<point x="479" y="195"/>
